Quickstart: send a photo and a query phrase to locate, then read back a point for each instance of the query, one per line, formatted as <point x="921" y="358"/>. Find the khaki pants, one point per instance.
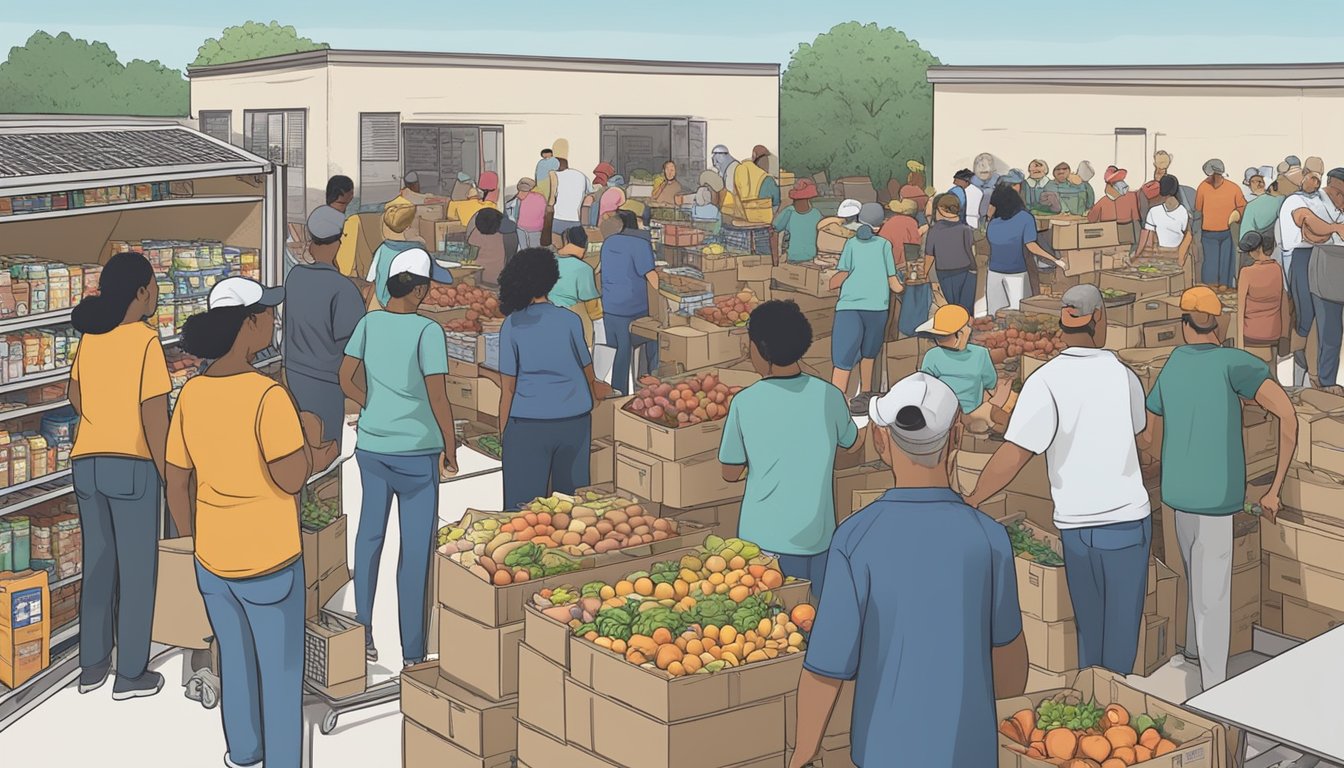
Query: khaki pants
<point x="581" y="309"/>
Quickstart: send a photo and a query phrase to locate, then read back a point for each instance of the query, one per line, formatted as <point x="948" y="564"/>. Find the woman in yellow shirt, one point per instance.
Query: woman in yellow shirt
<point x="119" y="387"/>
<point x="237" y="460"/>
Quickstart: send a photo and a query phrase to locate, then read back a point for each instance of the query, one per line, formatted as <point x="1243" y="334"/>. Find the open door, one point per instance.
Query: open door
<point x="1131" y="153"/>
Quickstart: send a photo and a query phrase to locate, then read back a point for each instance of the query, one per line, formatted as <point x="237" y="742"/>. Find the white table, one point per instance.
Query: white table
<point x="1295" y="698"/>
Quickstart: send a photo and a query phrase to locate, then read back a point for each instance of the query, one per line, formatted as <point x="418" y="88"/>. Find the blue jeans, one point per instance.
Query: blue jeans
<point x="959" y="288"/>
<point x="1299" y="290"/>
<point x="258" y="623"/>
<point x="414" y="481"/>
<point x="545" y="455"/>
<point x="810" y="567"/>
<point x="620" y="339"/>
<point x="1107" y="571"/>
<point x="858" y="335"/>
<point x="1329" y="336"/>
<point x="118" y="501"/>
<point x="1220" y="266"/>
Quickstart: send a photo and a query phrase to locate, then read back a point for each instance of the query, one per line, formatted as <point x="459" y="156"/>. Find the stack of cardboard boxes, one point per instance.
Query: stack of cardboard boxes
<point x="325" y="549"/>
<point x="1085" y="248"/>
<point x="25" y="626"/>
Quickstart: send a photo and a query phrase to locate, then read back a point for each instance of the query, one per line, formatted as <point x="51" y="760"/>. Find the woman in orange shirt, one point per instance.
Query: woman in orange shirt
<point x="238" y="456"/>
<point x="119" y="387"/>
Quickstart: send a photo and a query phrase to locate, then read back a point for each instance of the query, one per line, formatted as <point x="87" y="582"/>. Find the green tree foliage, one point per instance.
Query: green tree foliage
<point x="253" y="40"/>
<point x="62" y="75"/>
<point x="856" y="101"/>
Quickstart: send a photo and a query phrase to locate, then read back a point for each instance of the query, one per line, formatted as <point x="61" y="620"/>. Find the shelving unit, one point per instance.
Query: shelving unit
<point x="233" y="197"/>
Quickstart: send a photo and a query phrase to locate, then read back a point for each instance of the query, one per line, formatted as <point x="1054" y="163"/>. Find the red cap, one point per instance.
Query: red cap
<point x="1114" y="174"/>
<point x="803" y="189"/>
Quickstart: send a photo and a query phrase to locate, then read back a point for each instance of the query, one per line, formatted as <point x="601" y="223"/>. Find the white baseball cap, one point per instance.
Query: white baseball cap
<point x="418" y="262"/>
<point x="923" y="431"/>
<point x="242" y="292"/>
<point x="849" y="208"/>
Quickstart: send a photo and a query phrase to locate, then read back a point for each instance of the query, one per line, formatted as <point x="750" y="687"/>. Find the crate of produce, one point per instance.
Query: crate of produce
<point x="682" y="235"/>
<point x="731" y="311"/>
<point x="1013" y="334"/>
<point x="753" y="240"/>
<point x="1146" y="278"/>
<point x="324" y="532"/>
<point x="679" y="417"/>
<point x="472" y="303"/>
<point x="1039" y="560"/>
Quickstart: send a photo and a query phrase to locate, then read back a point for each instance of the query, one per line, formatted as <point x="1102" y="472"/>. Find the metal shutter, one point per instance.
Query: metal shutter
<point x="378" y="136"/>
<point x="217" y="124"/>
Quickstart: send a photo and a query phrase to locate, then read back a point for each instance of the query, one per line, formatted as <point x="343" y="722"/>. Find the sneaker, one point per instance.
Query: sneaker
<point x="370" y="652"/>
<point x="147" y="684"/>
<point x="228" y="761"/>
<point x="93" y="678"/>
<point x="411" y="662"/>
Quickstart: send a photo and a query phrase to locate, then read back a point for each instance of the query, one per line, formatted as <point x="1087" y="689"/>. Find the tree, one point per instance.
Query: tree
<point x="856" y="102"/>
<point x="253" y="40"/>
<point x="62" y="75"/>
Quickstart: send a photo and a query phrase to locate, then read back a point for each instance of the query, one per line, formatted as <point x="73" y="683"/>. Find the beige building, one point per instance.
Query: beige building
<point x="375" y="116"/>
<point x="1245" y="115"/>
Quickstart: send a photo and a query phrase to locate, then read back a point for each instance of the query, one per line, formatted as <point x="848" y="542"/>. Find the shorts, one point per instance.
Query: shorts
<point x="858" y="334"/>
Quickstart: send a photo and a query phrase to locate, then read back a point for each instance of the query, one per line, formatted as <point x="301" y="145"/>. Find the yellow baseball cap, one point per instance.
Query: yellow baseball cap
<point x="1201" y="298"/>
<point x="946" y="321"/>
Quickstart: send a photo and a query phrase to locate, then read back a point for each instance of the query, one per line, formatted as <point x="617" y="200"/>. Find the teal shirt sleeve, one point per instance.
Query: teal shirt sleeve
<point x="355" y="347"/>
<point x="846" y="430"/>
<point x="1246" y="373"/>
<point x="587" y="289"/>
<point x="890" y="254"/>
<point x="732" y="449"/>
<point x="989" y="378"/>
<point x="433" y="352"/>
<point x="1154" y="401"/>
<point x="927" y="365"/>
<point x="782" y="219"/>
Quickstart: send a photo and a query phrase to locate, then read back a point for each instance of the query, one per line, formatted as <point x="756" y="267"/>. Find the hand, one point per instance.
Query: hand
<point x="1269" y="506"/>
<point x="448" y="464"/>
<point x="1061" y="264"/>
<point x="1002" y="390"/>
<point x="312" y="428"/>
<point x="900" y="288"/>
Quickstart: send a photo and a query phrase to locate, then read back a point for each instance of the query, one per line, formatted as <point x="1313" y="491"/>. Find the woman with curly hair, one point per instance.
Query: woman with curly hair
<point x="547" y="387"/>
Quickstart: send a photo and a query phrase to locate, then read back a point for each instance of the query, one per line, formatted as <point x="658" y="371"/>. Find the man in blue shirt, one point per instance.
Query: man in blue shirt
<point x="627" y="274"/>
<point x="896" y="622"/>
<point x="960" y="181"/>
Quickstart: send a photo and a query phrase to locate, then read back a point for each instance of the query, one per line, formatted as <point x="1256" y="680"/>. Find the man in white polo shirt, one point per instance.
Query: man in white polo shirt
<point x="1083" y="410"/>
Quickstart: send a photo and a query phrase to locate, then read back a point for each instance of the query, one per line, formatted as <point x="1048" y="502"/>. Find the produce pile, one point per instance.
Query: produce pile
<point x="550" y="534"/>
<point x="730" y="311"/>
<point x="1015" y="335"/>
<point x="1028" y="547"/>
<point x="707" y="612"/>
<point x="1071" y="734"/>
<point x="461" y="325"/>
<point x="490" y="445"/>
<point x="318" y="514"/>
<point x="1151" y="268"/>
<point x="480" y="303"/>
<point x="680" y="284"/>
<point x="692" y="401"/>
<point x="1111" y="293"/>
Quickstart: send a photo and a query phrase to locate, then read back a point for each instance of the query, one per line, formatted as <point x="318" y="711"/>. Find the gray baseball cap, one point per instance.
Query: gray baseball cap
<point x="325" y="223"/>
<point x="1214" y="166"/>
<point x="1078" y="305"/>
<point x="411" y="177"/>
<point x="871" y="214"/>
<point x="1014" y="176"/>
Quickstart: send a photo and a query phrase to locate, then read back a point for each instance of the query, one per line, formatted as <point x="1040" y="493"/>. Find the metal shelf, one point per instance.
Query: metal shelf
<point x="32" y="501"/>
<point x="39" y="380"/>
<point x="40" y="320"/>
<point x="120" y="207"/>
<point x="62" y="635"/>
<point x="68" y="580"/>
<point x="32" y="410"/>
<point x="36" y="481"/>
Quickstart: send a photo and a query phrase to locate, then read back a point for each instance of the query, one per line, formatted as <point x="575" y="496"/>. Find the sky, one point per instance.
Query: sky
<point x="965" y="32"/>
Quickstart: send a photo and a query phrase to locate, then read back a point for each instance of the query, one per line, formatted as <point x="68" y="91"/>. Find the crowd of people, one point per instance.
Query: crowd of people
<point x="238" y="448"/>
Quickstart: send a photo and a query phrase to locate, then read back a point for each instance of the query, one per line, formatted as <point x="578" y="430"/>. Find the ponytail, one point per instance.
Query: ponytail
<point x="122" y="278"/>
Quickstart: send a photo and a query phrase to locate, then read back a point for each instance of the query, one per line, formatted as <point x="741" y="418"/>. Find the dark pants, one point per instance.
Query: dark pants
<point x="119" y="514"/>
<point x="620" y="339"/>
<point x="1299" y="290"/>
<point x="915" y="303"/>
<point x="542" y="456"/>
<point x="1107" y="571"/>
<point x="323" y="398"/>
<point x="959" y="288"/>
<point x="1220" y="265"/>
<point x="1329" y="336"/>
<point x="810" y="567"/>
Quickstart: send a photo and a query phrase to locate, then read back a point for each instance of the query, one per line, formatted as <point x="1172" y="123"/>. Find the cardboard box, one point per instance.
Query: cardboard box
<point x="1051" y="645"/>
<point x="1161" y="333"/>
<point x="1152" y="645"/>
<point x="1246" y="540"/>
<point x="1292" y="538"/>
<point x="676" y="443"/>
<point x="1306" y="583"/>
<point x="1039" y="512"/>
<point x="480" y="658"/>
<point x="541" y="692"/>
<point x="333" y="660"/>
<point x="628" y="737"/>
<point x="480" y="394"/>
<point x="1042" y="590"/>
<point x="1316" y="494"/>
<point x="1082" y="260"/>
<point x="331" y="582"/>
<point x="311" y="606"/>
<point x="604" y="417"/>
<point x="25" y="626"/>
<point x="1044" y="680"/>
<point x="179" y="610"/>
<point x="602" y="464"/>
<point x="1305" y="621"/>
<point x="755" y="268"/>
<point x="1245" y="606"/>
<point x="690" y="482"/>
<point x="1120" y="337"/>
<point x="422" y="748"/>
<point x="867" y="477"/>
<point x="1143" y="286"/>
<point x="1140" y="312"/>
<point x="326" y="549"/>
<point x="805" y="277"/>
<point x="538" y="749"/>
<point x="901" y="359"/>
<point x="840" y="724"/>
<point x="1073" y="235"/>
<point x="1200" y="743"/>
<point x="701" y="344"/>
<point x="477" y="725"/>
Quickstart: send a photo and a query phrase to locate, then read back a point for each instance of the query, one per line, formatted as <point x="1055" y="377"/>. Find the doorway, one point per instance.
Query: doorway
<point x="633" y="144"/>
<point x="437" y="153"/>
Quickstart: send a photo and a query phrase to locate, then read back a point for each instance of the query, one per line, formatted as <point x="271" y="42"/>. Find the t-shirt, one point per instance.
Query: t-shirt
<point x="611" y="199"/>
<point x="345" y="255"/>
<point x="1123" y="210"/>
<point x="531" y="212"/>
<point x="117" y="371"/>
<point x="895" y="623"/>
<point x="960" y="194"/>
<point x="974" y="197"/>
<point x="543" y="175"/>
<point x="1289" y="234"/>
<point x="1262" y="315"/>
<point x="322" y="308"/>
<point x="900" y="231"/>
<point x="952" y="246"/>
<point x="227" y="429"/>
<point x="802" y="231"/>
<point x="789" y="505"/>
<point x="398" y="351"/>
<point x="1261" y="214"/>
<point x="1217" y="204"/>
<point x="969" y="372"/>
<point x="577" y="282"/>
<point x="1008" y="240"/>
<point x="381" y="268"/>
<point x="542" y="346"/>
<point x="1198" y="394"/>
<point x="1170" y="226"/>
<point x="1082" y="410"/>
<point x="466" y="210"/>
<point x="626" y="259"/>
<point x="868" y="260"/>
<point x="571" y="187"/>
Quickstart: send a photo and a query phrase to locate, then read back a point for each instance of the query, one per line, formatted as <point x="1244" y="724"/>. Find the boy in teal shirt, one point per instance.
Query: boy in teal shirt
<point x="785" y="429"/>
<point x="866" y="278"/>
<point x="800" y="222"/>
<point x="963" y="366"/>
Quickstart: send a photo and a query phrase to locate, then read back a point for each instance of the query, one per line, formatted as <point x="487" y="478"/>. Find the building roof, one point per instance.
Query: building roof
<point x="1209" y="75"/>
<point x="327" y="57"/>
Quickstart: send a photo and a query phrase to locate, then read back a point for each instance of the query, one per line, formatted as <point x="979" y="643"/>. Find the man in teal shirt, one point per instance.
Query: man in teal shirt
<point x="1198" y="394"/>
<point x="963" y="366"/>
<point x="800" y="221"/>
<point x="866" y="278"/>
<point x="782" y="434"/>
<point x="1262" y="212"/>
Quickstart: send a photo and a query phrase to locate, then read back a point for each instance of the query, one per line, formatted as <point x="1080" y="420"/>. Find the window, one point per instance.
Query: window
<point x="281" y="137"/>
<point x="217" y="124"/>
<point x="437" y="153"/>
<point x="645" y="143"/>
<point x="379" y="158"/>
